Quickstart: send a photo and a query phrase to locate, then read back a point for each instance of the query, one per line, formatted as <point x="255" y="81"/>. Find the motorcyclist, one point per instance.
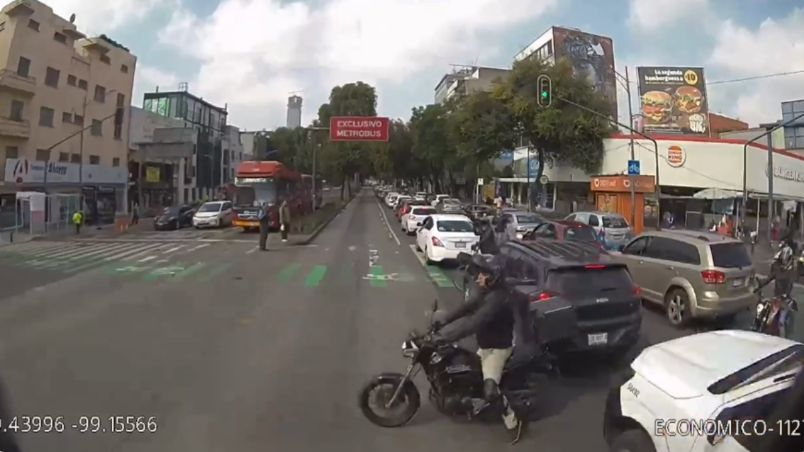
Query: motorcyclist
<point x="487" y="244"/>
<point x="783" y="267"/>
<point x="491" y="319"/>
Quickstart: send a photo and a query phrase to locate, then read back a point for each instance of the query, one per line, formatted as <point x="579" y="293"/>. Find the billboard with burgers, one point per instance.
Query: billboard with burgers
<point x="673" y="100"/>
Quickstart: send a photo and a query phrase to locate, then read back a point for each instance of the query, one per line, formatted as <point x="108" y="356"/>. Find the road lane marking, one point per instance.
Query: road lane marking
<point x="173" y="249"/>
<point x="388" y="225"/>
<point x="287" y="273"/>
<point x="252" y="250"/>
<point x="189" y="270"/>
<point x="315" y="276"/>
<point x="198" y="247"/>
<point x="376" y="272"/>
<point x="436" y="275"/>
<point x="146" y="259"/>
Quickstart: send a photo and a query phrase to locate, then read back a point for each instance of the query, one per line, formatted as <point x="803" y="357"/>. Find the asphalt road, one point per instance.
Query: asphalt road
<point x="236" y="349"/>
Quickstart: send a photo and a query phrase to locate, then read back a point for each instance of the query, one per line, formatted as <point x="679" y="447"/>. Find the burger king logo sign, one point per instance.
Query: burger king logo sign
<point x="676" y="156"/>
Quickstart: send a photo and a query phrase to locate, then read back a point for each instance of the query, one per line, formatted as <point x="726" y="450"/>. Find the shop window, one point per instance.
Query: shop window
<point x="52" y="77"/>
<point x="12" y="152"/>
<point x="42" y="155"/>
<point x="116" y="161"/>
<point x="46" y="116"/>
<point x="75" y="158"/>
<point x="94" y="160"/>
<point x="24" y="67"/>
<point x="16" y="110"/>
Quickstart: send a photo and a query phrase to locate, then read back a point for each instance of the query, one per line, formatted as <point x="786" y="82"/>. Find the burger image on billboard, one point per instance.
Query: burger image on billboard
<point x="657" y="106"/>
<point x="688" y="99"/>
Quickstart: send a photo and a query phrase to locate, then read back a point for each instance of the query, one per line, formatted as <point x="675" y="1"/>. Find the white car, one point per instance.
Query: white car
<point x="414" y="217"/>
<point x="690" y="394"/>
<point x="390" y="198"/>
<point x="400" y="198"/>
<point x="214" y="214"/>
<point x="442" y="237"/>
<point x="420" y="195"/>
<point x="438" y="199"/>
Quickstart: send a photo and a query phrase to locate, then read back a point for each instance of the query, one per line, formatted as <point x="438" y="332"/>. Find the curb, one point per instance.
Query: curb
<point x="323" y="225"/>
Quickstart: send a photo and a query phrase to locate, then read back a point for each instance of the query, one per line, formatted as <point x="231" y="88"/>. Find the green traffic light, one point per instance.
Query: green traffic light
<point x="545" y="94"/>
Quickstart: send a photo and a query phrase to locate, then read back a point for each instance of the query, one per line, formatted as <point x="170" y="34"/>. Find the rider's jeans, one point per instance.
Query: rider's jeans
<point x="492" y="362"/>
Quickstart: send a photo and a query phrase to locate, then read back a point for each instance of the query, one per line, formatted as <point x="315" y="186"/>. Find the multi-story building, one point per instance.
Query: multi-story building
<point x="63" y="125"/>
<point x="794" y="133"/>
<point x="232" y="153"/>
<point x="468" y="80"/>
<point x="721" y="124"/>
<point x="203" y="172"/>
<point x="255" y="144"/>
<point x="294" y="112"/>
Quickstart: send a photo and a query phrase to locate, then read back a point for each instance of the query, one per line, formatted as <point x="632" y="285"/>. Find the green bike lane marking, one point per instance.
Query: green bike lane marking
<point x="439" y="278"/>
<point x="287" y="273"/>
<point x="376" y="271"/>
<point x="315" y="276"/>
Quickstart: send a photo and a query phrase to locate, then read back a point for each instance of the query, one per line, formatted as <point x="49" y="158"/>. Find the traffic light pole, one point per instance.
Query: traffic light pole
<point x="658" y="190"/>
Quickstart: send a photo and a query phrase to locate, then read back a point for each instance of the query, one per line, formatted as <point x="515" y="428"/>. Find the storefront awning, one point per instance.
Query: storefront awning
<point x="776" y="197"/>
<point x="717" y="193"/>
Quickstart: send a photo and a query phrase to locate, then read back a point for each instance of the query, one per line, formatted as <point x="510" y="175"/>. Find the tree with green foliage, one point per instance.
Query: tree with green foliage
<point x="343" y="160"/>
<point x="561" y="132"/>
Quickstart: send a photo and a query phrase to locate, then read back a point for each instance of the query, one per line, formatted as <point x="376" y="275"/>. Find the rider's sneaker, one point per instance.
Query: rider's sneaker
<point x="515" y="433"/>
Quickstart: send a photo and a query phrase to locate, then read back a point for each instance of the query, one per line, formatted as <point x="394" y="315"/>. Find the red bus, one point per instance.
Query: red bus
<point x="261" y="183"/>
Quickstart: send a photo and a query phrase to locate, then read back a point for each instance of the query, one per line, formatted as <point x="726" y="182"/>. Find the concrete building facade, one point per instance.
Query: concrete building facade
<point x="467" y="81"/>
<point x="294" y="111"/>
<point x="63" y="122"/>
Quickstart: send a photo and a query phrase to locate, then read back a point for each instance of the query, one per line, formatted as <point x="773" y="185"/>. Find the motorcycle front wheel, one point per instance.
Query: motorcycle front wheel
<point x="376" y="394"/>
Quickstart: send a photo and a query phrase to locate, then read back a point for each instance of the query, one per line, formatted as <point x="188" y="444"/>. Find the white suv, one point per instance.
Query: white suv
<point x="705" y="392"/>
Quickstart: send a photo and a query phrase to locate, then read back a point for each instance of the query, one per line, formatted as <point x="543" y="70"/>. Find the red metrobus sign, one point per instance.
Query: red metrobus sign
<point x="358" y="128"/>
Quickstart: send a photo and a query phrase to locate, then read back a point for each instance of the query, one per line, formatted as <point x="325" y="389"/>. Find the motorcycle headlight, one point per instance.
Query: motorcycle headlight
<point x="409" y="349"/>
<point x="435" y="359"/>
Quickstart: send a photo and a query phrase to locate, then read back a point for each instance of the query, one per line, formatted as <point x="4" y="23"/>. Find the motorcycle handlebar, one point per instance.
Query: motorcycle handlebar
<point x="763" y="284"/>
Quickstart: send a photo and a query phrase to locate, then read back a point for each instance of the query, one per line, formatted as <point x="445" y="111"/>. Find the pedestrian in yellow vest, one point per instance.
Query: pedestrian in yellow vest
<point x="78" y="220"/>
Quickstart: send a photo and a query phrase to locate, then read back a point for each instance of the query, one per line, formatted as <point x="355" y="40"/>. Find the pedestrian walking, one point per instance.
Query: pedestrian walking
<point x="263" y="217"/>
<point x="284" y="219"/>
<point x="78" y="220"/>
<point x="135" y="214"/>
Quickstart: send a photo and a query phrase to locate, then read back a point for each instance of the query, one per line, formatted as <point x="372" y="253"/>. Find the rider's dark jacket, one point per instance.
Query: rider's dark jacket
<point x="490" y="318"/>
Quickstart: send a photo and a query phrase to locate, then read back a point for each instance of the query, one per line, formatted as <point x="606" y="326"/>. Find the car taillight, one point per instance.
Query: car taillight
<point x="637" y="291"/>
<point x="437" y="242"/>
<point x="540" y="296"/>
<point x="594" y="267"/>
<point x="713" y="277"/>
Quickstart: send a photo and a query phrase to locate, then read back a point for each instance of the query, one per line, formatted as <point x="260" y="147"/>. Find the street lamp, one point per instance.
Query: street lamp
<point x="87" y="101"/>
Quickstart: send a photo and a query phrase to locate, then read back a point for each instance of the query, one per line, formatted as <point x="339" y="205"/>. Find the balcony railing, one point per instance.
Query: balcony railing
<point x="16" y="129"/>
<point x="11" y="80"/>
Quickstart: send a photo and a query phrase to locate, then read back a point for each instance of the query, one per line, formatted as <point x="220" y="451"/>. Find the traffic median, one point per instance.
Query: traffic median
<point x="307" y="228"/>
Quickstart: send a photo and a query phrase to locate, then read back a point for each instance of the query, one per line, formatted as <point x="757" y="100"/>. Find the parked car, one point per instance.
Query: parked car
<point x="416" y="215"/>
<point x="612" y="228"/>
<point x="521" y="221"/>
<point x="437" y="199"/>
<point x="404" y="207"/>
<point x="564" y="230"/>
<point x="421" y="195"/>
<point x="398" y="201"/>
<point x="214" y="214"/>
<point x="173" y="218"/>
<point x="441" y="237"/>
<point x="450" y="206"/>
<point x="390" y="199"/>
<point x="479" y="211"/>
<point x="692" y="274"/>
<point x="682" y="394"/>
<point x="576" y="287"/>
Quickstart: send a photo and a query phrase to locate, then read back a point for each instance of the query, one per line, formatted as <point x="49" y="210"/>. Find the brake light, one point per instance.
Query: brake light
<point x="637" y="291"/>
<point x="594" y="267"/>
<point x="541" y="296"/>
<point x="437" y="242"/>
<point x="713" y="277"/>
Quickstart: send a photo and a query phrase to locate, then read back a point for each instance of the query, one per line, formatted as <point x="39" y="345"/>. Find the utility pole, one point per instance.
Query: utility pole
<point x="771" y="204"/>
<point x="631" y="123"/>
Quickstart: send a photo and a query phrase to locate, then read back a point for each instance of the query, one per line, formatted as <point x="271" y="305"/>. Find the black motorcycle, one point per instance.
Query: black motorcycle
<point x="456" y="383"/>
<point x="774" y="315"/>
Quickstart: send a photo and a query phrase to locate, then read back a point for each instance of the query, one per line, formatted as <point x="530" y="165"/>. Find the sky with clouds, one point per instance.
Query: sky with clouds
<point x="250" y="54"/>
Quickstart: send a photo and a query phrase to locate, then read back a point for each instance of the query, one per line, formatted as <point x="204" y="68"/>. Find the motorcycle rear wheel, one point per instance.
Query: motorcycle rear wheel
<point x="408" y="400"/>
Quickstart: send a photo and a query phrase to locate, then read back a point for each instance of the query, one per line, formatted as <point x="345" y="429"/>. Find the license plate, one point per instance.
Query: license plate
<point x="598" y="339"/>
<point x="460" y="245"/>
<point x="737" y="282"/>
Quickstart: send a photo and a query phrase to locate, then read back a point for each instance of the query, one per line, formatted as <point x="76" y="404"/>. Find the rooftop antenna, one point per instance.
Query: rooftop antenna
<point x="72" y="18"/>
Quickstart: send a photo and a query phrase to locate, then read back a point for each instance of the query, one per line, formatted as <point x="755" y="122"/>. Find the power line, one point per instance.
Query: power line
<point x="756" y="77"/>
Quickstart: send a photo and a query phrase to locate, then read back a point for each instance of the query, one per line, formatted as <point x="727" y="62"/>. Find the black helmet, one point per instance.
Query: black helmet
<point x="493" y="266"/>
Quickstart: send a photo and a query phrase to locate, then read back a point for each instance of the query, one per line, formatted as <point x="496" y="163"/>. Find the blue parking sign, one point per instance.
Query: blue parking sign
<point x="633" y="167"/>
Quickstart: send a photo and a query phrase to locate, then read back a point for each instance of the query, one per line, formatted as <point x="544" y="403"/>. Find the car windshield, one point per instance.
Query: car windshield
<point x="582" y="282"/>
<point x="526" y="218"/>
<point x="730" y="255"/>
<point x="451" y="201"/>
<point x="455" y="226"/>
<point x="610" y="221"/>
<point x="424" y="211"/>
<point x="211" y="207"/>
<point x="581" y="234"/>
<point x="172" y="211"/>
